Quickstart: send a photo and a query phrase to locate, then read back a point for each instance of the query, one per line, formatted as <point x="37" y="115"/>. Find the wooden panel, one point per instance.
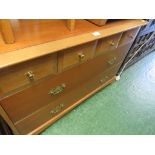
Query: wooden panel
<point x="56" y="44"/>
<point x="26" y="102"/>
<point x="7" y="31"/>
<point x="99" y="22"/>
<point x="51" y="111"/>
<point x="19" y="75"/>
<point x="128" y="36"/>
<point x="76" y="55"/>
<point x="108" y="44"/>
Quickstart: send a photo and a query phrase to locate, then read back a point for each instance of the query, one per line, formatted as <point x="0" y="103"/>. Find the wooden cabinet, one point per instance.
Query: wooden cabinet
<point x="39" y="88"/>
<point x="56" y="93"/>
<point x="56" y="87"/>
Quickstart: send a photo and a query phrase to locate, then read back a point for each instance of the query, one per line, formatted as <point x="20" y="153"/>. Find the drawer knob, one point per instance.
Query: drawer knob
<point x="112" y="43"/>
<point x="57" y="89"/>
<point x="57" y="109"/>
<point x="130" y="36"/>
<point x="81" y="56"/>
<point x="104" y="79"/>
<point x="30" y="75"/>
<point x="112" y="61"/>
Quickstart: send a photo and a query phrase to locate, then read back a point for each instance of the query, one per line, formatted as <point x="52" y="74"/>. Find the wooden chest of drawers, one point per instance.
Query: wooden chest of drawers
<point x="70" y="78"/>
<point x="37" y="92"/>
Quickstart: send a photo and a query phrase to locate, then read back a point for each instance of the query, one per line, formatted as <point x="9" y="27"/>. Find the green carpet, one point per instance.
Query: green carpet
<point x="126" y="106"/>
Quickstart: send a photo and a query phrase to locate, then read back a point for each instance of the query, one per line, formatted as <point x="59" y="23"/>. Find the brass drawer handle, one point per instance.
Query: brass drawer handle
<point x="81" y="56"/>
<point x="30" y="75"/>
<point x="112" y="43"/>
<point x="57" y="109"/>
<point x="57" y="89"/>
<point x="112" y="61"/>
<point x="104" y="79"/>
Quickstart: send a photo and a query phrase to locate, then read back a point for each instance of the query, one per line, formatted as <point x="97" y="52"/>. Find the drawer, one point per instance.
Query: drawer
<point x="115" y="56"/>
<point x="128" y="36"/>
<point x="52" y="112"/>
<point x="76" y="55"/>
<point x="26" y="73"/>
<point x="107" y="44"/>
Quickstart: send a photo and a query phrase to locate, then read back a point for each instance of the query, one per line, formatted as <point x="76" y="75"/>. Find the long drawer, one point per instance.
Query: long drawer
<point x="63" y="104"/>
<point x="24" y="103"/>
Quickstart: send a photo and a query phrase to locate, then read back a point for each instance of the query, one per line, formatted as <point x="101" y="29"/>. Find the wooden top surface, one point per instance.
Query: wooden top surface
<point x="34" y="40"/>
<point x="34" y="32"/>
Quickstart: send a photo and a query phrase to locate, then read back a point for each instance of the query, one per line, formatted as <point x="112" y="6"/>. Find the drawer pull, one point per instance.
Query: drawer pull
<point x="30" y="75"/>
<point x="57" y="109"/>
<point x="57" y="89"/>
<point x="112" y="61"/>
<point x="81" y="56"/>
<point x="104" y="79"/>
<point x="112" y="43"/>
<point x="130" y="36"/>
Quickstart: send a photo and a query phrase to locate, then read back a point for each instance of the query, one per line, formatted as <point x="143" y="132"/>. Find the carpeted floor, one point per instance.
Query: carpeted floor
<point x="124" y="107"/>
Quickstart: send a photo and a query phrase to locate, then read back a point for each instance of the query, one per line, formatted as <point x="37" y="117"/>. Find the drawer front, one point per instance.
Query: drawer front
<point x="52" y="112"/>
<point x="128" y="36"/>
<point x="115" y="56"/>
<point x="76" y="55"/>
<point x="99" y="22"/>
<point x="26" y="73"/>
<point x="107" y="44"/>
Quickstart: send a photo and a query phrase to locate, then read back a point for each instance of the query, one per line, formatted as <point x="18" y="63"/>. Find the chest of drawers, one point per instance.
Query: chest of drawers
<point x="36" y="92"/>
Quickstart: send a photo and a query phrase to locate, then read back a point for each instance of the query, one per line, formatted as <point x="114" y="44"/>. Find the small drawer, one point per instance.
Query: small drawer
<point x="128" y="36"/>
<point x="26" y="73"/>
<point x="107" y="44"/>
<point x="48" y="91"/>
<point x="115" y="56"/>
<point x="98" y="22"/>
<point x="51" y="112"/>
<point x="75" y="55"/>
